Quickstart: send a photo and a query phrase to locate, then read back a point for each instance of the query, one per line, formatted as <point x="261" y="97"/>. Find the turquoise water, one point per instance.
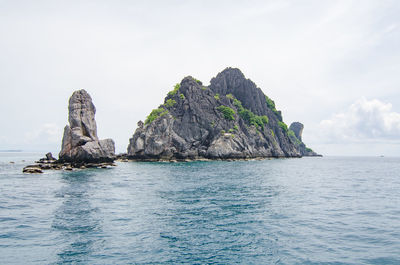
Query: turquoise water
<point x="330" y="210"/>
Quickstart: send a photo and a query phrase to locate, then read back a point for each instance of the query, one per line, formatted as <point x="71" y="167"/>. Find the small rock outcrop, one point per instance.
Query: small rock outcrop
<point x="32" y="169"/>
<point x="49" y="156"/>
<point x="295" y="134"/>
<point x="81" y="147"/>
<point x="230" y="119"/>
<point x="80" y="142"/>
<point x="297" y="129"/>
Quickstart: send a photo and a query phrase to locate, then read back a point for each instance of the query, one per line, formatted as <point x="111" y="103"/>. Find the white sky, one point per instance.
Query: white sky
<point x="332" y="65"/>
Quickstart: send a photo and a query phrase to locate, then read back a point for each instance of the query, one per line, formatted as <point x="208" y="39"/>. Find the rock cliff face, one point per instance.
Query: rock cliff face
<point x="80" y="142"/>
<point x="230" y="119"/>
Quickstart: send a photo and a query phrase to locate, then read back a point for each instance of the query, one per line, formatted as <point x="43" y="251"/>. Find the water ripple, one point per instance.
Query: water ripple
<point x="286" y="211"/>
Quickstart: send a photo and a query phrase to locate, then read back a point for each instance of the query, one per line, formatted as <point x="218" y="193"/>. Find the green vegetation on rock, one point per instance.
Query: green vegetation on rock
<point x="175" y="90"/>
<point x="293" y="137"/>
<point x="216" y="96"/>
<point x="309" y="150"/>
<point x="249" y="116"/>
<point x="170" y="103"/>
<point x="236" y="128"/>
<point x="182" y="96"/>
<point x="229" y="113"/>
<point x="264" y="119"/>
<point x="283" y="126"/>
<point x="270" y="103"/>
<point x="154" y="114"/>
<point x="230" y="96"/>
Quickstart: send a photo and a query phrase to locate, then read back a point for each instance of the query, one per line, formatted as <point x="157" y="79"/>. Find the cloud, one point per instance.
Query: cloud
<point x="364" y="120"/>
<point x="48" y="132"/>
<point x="130" y="54"/>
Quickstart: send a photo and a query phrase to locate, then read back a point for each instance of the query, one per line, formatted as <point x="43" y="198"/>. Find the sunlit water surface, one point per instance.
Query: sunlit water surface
<point x="331" y="210"/>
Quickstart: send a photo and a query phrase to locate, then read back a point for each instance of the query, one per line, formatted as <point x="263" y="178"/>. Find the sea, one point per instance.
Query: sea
<point x="329" y="210"/>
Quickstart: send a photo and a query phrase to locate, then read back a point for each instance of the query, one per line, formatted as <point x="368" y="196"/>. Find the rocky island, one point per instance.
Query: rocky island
<point x="81" y="147"/>
<point x="229" y="119"/>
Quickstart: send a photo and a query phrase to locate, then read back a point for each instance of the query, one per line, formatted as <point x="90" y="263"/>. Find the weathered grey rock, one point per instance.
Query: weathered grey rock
<point x="49" y="156"/>
<point x="47" y="159"/>
<point x="225" y="146"/>
<point x="32" y="169"/>
<point x="191" y="124"/>
<point x="296" y="137"/>
<point x="80" y="142"/>
<point x="297" y="128"/>
<point x="233" y="81"/>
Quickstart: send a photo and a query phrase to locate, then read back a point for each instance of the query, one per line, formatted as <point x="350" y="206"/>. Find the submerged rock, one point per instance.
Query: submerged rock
<point x="80" y="142"/>
<point x="32" y="169"/>
<point x="230" y="119"/>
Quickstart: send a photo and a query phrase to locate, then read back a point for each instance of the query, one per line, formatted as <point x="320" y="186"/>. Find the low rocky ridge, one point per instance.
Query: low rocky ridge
<point x="230" y="119"/>
<point x="46" y="164"/>
<point x="81" y="147"/>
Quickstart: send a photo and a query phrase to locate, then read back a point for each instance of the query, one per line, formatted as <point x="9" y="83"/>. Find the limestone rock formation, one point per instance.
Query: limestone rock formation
<point x="80" y="142"/>
<point x="295" y="134"/>
<point x="297" y="129"/>
<point x="231" y="118"/>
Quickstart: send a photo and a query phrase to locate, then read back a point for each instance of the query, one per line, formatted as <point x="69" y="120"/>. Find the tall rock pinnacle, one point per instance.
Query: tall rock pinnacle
<point x="80" y="142"/>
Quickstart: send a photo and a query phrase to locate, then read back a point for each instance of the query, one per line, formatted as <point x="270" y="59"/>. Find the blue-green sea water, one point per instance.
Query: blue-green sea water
<point x="331" y="210"/>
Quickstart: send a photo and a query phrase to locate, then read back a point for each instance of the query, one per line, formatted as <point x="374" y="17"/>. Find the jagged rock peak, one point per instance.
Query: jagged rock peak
<point x="80" y="142"/>
<point x="229" y="81"/>
<point x="232" y="74"/>
<point x="81" y="112"/>
<point x="232" y="81"/>
<point x="189" y="82"/>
